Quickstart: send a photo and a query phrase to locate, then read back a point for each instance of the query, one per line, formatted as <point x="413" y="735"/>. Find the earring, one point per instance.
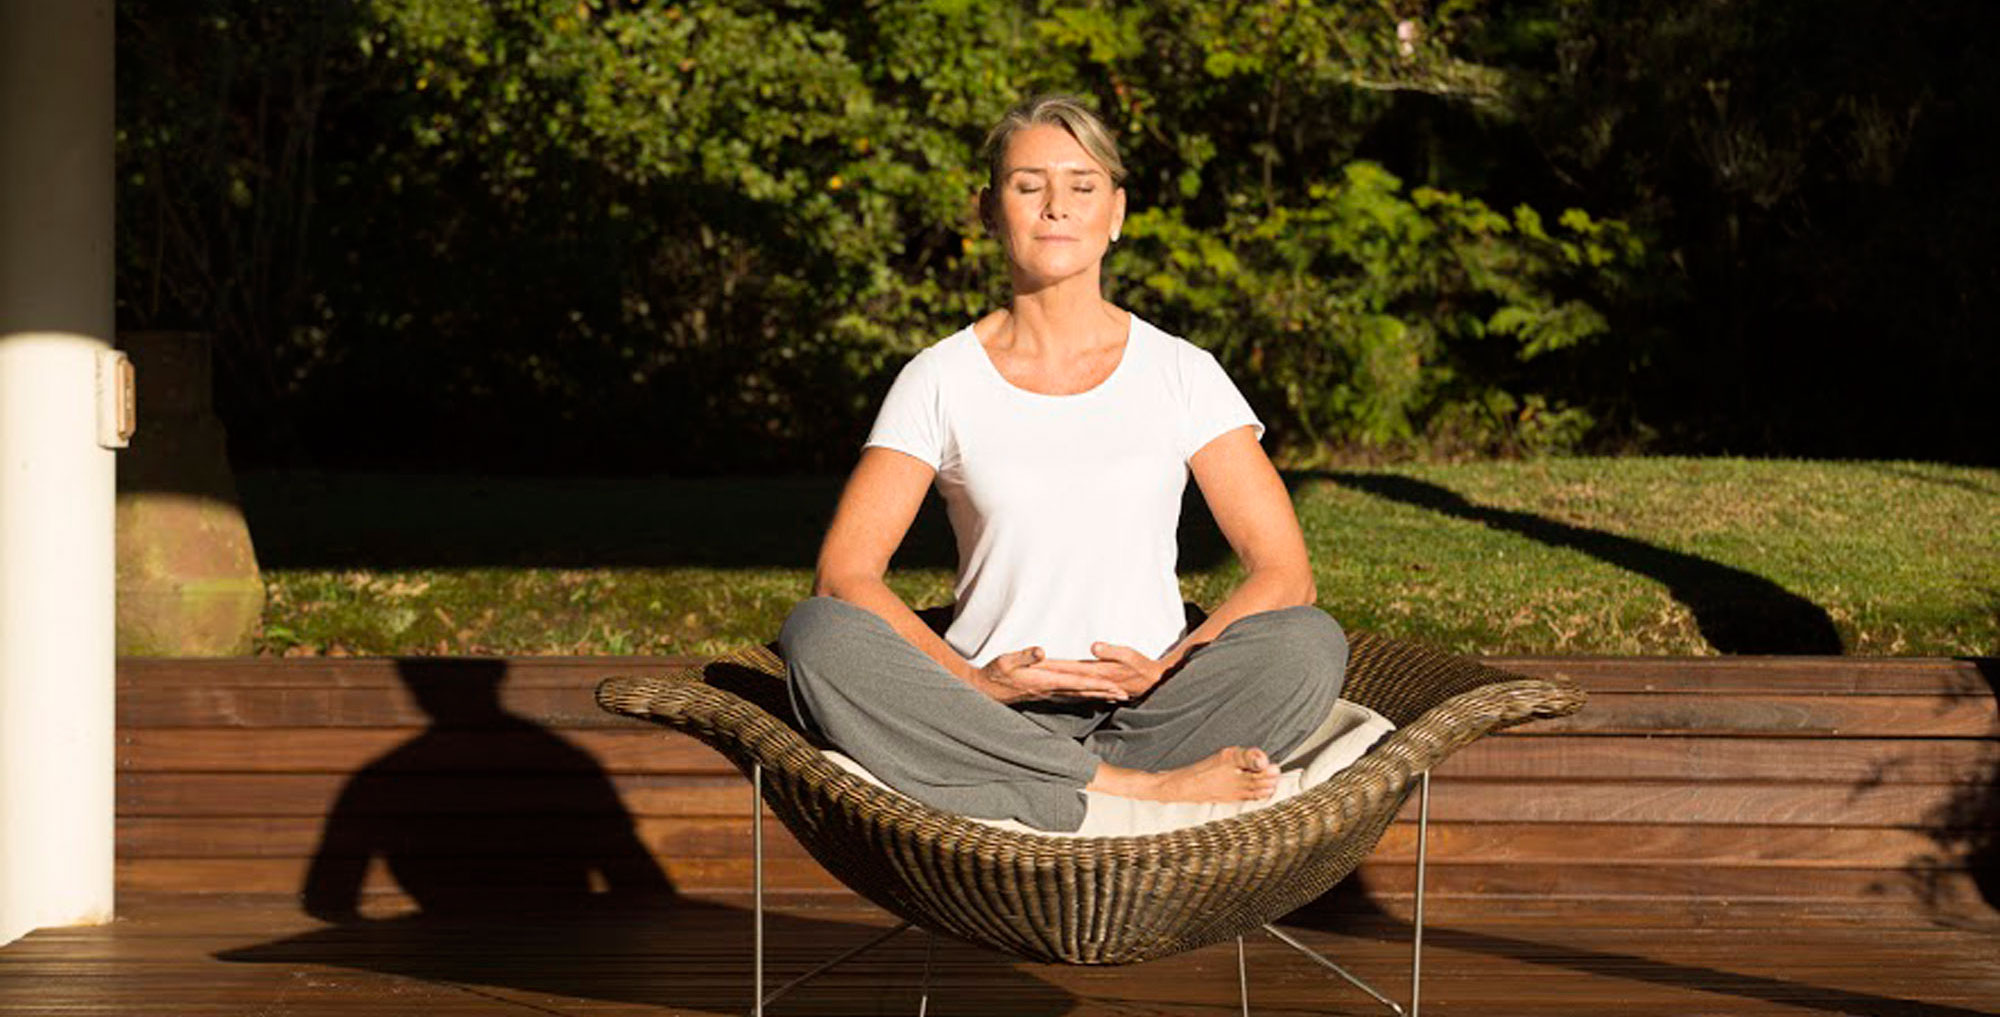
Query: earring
<point x="1114" y="236"/>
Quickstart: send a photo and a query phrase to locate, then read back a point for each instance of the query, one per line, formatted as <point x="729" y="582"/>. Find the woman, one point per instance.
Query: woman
<point x="1060" y="432"/>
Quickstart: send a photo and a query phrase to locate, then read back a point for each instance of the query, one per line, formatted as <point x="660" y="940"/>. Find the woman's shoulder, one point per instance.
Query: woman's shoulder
<point x="1177" y="354"/>
<point x="944" y="346"/>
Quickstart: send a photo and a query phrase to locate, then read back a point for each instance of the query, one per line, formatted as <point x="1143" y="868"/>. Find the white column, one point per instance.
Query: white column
<point x="57" y="482"/>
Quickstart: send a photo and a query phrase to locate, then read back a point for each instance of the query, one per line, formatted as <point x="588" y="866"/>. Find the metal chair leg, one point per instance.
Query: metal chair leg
<point x="757" y="881"/>
<point x="1351" y="978"/>
<point x="760" y="1001"/>
<point x="1242" y="977"/>
<point x="924" y="994"/>
<point x="1417" y="937"/>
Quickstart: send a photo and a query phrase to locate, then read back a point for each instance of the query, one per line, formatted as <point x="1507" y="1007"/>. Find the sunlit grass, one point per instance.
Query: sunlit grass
<point x="1552" y="556"/>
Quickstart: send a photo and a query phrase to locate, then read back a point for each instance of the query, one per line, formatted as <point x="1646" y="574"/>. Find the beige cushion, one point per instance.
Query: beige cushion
<point x="1347" y="734"/>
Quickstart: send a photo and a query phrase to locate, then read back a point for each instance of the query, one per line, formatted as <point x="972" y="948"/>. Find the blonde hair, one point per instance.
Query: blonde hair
<point x="1065" y="111"/>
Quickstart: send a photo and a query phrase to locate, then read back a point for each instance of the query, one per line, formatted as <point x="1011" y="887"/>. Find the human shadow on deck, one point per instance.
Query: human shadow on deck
<point x="484" y="811"/>
<point x="1737" y="611"/>
<point x="1349" y="910"/>
<point x="528" y="874"/>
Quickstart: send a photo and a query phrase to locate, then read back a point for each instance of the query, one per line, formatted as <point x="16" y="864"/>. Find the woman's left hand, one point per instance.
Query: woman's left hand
<point x="1133" y="671"/>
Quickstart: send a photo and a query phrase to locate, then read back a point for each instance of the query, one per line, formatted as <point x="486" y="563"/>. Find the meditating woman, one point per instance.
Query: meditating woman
<point x="1060" y="431"/>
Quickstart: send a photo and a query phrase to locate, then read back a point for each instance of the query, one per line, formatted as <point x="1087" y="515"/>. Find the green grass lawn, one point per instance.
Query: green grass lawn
<point x="1618" y="556"/>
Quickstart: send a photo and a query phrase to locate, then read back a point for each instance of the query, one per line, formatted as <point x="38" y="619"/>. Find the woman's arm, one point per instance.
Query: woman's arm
<point x="875" y="512"/>
<point x="1254" y="511"/>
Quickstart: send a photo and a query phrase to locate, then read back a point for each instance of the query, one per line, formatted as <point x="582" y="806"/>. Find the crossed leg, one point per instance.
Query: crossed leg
<point x="1256" y="691"/>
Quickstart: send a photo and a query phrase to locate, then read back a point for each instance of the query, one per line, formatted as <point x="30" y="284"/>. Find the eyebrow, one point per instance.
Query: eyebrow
<point x="1039" y="171"/>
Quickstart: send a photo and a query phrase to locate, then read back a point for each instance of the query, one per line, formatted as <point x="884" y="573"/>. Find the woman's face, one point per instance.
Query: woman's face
<point x="1056" y="209"/>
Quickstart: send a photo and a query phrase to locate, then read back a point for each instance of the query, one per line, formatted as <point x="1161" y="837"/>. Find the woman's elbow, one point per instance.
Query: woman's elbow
<point x="1296" y="586"/>
<point x="839" y="583"/>
<point x="1306" y="590"/>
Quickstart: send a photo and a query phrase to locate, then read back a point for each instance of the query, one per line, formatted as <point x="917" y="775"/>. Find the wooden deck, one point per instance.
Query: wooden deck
<point x="1733" y="835"/>
<point x="247" y="954"/>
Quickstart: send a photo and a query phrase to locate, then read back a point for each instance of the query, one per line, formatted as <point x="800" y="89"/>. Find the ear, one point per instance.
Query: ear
<point x="1117" y="213"/>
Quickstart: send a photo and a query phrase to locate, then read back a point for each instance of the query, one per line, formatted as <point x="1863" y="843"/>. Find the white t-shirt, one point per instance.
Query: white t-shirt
<point x="1065" y="506"/>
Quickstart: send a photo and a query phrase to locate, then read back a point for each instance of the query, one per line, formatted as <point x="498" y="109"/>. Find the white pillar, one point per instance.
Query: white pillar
<point x="57" y="481"/>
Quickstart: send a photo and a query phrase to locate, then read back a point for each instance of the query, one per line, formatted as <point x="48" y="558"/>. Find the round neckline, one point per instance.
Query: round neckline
<point x="1124" y="357"/>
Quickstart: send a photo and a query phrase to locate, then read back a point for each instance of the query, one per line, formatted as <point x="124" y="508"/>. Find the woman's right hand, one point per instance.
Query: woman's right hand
<point x="1016" y="677"/>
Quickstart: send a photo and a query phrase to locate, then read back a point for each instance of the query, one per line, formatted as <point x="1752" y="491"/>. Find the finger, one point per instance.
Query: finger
<point x="1092" y="668"/>
<point x="1065" y="684"/>
<point x="1021" y="658"/>
<point x="1113" y="651"/>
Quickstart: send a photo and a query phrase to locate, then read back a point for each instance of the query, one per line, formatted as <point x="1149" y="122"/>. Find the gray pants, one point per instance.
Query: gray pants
<point x="1267" y="682"/>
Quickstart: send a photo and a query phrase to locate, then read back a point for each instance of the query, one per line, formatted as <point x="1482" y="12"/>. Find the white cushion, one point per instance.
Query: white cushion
<point x="1347" y="734"/>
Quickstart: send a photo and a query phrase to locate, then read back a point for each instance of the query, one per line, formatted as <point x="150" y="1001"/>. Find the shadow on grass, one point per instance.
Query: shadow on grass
<point x="1737" y="611"/>
<point x="333" y="521"/>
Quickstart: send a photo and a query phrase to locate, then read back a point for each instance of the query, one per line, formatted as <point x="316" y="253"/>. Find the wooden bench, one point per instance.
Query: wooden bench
<point x="1850" y="786"/>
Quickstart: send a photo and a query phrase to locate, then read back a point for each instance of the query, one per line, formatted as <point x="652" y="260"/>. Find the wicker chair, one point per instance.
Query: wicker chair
<point x="1113" y="900"/>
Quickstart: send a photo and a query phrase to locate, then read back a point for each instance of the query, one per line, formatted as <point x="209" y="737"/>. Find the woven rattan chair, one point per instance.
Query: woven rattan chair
<point x="1115" y="900"/>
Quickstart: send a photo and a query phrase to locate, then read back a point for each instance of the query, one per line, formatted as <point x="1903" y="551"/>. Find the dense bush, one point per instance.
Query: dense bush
<point x="540" y="234"/>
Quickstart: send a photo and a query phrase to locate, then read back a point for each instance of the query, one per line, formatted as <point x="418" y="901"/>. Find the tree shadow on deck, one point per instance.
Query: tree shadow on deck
<point x="1966" y="829"/>
<point x="528" y="873"/>
<point x="1738" y="612"/>
<point x="1349" y="909"/>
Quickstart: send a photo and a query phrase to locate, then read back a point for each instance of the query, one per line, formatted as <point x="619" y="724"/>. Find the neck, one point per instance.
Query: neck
<point x="1067" y="315"/>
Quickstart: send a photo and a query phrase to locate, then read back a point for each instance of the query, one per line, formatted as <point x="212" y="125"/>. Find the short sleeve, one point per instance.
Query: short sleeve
<point x="1213" y="406"/>
<point x="911" y="419"/>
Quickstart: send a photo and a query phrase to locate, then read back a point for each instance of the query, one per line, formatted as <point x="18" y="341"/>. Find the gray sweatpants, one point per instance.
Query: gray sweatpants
<point x="1267" y="682"/>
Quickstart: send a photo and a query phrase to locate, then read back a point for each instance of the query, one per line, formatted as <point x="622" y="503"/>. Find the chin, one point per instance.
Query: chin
<point x="1047" y="271"/>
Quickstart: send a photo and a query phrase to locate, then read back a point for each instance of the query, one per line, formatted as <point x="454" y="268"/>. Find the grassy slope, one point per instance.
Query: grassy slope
<point x="1623" y="556"/>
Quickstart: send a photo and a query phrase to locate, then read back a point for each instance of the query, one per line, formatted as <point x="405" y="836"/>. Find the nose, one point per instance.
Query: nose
<point x="1054" y="207"/>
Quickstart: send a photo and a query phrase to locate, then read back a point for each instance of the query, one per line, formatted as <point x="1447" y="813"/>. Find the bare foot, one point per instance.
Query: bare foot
<point x="1234" y="774"/>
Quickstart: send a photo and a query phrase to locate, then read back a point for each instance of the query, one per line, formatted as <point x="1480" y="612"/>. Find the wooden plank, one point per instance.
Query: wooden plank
<point x="1390" y="877"/>
<point x="1398" y="878"/>
<point x="1718" y="803"/>
<point x="254" y="795"/>
<point x="521" y="749"/>
<point x="1886" y="716"/>
<point x="1723" y="803"/>
<point x="345" y="706"/>
<point x="287" y="875"/>
<point x="525" y="835"/>
<point x="1857" y="676"/>
<point x="1615" y="845"/>
<point x="1450" y="843"/>
<point x="646" y="749"/>
<point x="386" y="672"/>
<point x="1692" y="759"/>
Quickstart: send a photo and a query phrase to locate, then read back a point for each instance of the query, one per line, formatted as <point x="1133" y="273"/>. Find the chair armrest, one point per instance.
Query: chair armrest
<point x="1468" y="716"/>
<point x="727" y="722"/>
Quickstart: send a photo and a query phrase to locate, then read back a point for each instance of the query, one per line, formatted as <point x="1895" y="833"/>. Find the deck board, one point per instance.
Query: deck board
<point x="238" y="954"/>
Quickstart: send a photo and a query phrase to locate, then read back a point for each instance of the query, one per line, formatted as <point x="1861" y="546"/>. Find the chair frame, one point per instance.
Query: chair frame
<point x="1095" y="901"/>
<point x="762" y="1000"/>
